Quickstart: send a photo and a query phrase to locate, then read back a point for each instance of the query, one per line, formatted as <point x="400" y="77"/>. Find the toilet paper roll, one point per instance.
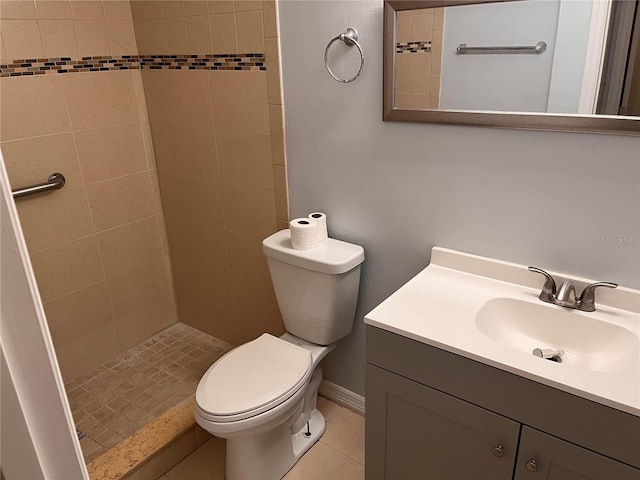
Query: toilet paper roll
<point x="321" y="218"/>
<point x="304" y="233"/>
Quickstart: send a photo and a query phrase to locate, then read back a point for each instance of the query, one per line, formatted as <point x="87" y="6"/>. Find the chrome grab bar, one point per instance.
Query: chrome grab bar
<point x="55" y="181"/>
<point x="537" y="49"/>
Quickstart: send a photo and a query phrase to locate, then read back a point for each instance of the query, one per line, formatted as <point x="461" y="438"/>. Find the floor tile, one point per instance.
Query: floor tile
<point x="345" y="433"/>
<point x="327" y="408"/>
<point x="322" y="462"/>
<point x="206" y="463"/>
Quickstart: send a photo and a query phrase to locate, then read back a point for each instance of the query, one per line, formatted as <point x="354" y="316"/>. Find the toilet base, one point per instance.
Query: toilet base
<point x="271" y="455"/>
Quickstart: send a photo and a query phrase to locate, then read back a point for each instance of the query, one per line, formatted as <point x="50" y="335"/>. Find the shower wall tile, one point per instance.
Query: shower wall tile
<point x="240" y="100"/>
<point x="245" y="158"/>
<point x="250" y="30"/>
<point x="151" y="36"/>
<point x="101" y="100"/>
<point x="273" y="71"/>
<point x="223" y="33"/>
<point x="199" y="34"/>
<point x="50" y="220"/>
<point x="249" y="210"/>
<point x="22" y="115"/>
<point x="247" y="5"/>
<point x="79" y="313"/>
<point x="220" y="6"/>
<point x="92" y="127"/>
<point x="177" y="38"/>
<point x="30" y="159"/>
<point x="122" y="200"/>
<point x="246" y="258"/>
<point x="195" y="7"/>
<point x="68" y="267"/>
<point x="276" y="119"/>
<point x="186" y="149"/>
<point x="111" y="152"/>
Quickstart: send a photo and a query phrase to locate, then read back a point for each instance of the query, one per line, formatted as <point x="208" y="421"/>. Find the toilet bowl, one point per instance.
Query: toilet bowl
<point x="261" y="396"/>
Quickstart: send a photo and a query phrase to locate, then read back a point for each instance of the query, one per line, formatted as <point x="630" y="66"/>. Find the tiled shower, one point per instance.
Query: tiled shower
<point x="166" y="119"/>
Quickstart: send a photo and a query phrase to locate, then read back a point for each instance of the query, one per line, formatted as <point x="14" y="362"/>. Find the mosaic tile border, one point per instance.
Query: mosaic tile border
<point x="413" y="47"/>
<point x="219" y="61"/>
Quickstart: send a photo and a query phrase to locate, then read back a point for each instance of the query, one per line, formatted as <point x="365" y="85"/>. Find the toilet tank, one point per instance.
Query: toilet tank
<point x="317" y="289"/>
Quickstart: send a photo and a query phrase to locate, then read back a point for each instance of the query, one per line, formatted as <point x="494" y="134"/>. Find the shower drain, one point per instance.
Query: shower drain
<point x="80" y="434"/>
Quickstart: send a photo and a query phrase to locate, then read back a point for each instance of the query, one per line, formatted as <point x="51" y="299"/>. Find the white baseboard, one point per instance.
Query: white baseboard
<point x="342" y="396"/>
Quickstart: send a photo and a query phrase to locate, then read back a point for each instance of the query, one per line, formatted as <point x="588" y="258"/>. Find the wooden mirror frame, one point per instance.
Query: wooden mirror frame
<point x="527" y="121"/>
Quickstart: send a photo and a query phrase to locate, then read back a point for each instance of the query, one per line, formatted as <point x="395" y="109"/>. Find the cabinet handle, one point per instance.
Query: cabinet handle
<point x="498" y="450"/>
<point x="532" y="465"/>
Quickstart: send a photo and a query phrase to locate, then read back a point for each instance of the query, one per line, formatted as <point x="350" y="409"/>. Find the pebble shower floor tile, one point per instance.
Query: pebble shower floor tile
<point x="118" y="397"/>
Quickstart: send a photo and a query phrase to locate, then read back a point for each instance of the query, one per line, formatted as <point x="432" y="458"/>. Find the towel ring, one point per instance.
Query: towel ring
<point x="350" y="38"/>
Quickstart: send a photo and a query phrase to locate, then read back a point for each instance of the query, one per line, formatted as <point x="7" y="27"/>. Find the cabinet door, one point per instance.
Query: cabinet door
<point x="543" y="457"/>
<point x="415" y="432"/>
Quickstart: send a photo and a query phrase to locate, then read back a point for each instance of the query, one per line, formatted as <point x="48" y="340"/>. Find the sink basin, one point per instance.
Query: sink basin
<point x="587" y="342"/>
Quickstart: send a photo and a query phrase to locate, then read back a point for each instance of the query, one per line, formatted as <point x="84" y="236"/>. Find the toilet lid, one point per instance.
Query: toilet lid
<point x="253" y="378"/>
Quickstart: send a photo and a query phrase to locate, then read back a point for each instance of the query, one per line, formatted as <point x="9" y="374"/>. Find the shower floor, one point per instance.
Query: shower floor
<point x="119" y="397"/>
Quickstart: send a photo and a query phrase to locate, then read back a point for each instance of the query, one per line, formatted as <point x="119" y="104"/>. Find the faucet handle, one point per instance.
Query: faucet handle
<point x="586" y="302"/>
<point x="548" y="293"/>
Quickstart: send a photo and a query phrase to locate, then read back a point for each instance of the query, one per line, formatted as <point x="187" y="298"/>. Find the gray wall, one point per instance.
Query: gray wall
<point x="561" y="201"/>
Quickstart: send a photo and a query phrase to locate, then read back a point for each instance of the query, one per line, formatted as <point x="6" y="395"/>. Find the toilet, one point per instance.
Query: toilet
<point x="261" y="396"/>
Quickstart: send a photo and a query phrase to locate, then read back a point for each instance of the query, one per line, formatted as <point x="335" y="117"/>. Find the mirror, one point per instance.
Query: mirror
<point x="570" y="65"/>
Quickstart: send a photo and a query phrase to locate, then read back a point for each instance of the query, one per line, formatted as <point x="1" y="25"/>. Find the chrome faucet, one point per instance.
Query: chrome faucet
<point x="566" y="296"/>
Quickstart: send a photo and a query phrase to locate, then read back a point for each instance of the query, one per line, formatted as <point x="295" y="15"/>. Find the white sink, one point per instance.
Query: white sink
<point x="488" y="310"/>
<point x="587" y="342"/>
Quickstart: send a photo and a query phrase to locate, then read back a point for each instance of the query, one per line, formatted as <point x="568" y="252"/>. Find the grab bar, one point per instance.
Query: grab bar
<point x="536" y="49"/>
<point x="55" y="181"/>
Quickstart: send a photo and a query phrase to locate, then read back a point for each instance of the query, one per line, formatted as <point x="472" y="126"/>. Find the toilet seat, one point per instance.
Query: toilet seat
<point x="252" y="379"/>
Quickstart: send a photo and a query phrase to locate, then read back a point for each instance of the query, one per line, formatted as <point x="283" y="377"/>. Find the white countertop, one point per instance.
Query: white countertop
<point x="438" y="307"/>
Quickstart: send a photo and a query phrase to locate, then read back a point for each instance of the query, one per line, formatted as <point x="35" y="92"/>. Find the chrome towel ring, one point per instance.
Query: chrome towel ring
<point x="350" y="38"/>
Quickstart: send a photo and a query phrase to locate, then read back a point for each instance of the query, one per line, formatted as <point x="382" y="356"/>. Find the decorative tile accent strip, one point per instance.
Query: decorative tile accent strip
<point x="413" y="47"/>
<point x="221" y="61"/>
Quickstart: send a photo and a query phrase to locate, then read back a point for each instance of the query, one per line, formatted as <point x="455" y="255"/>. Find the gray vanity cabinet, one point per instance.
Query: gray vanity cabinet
<point x="435" y="415"/>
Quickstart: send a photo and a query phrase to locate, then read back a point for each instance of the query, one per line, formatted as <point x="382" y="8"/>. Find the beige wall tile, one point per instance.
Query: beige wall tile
<point x="18" y="9"/>
<point x="121" y="37"/>
<point x="255" y="307"/>
<point x="175" y="96"/>
<point x="272" y="58"/>
<point x="438" y="19"/>
<point x="135" y="288"/>
<point x="21" y="39"/>
<point x="151" y="37"/>
<point x="403" y="26"/>
<point x="245" y="157"/>
<point x="199" y="34"/>
<point x="421" y="27"/>
<point x="32" y="106"/>
<point x="282" y="225"/>
<point x="3" y="51"/>
<point x="250" y="31"/>
<point x="197" y="241"/>
<point x="138" y="88"/>
<point x="434" y="91"/>
<point x="145" y="9"/>
<point x="240" y="100"/>
<point x="192" y="197"/>
<point x="249" y="210"/>
<point x="412" y="101"/>
<point x="68" y="267"/>
<point x="111" y="152"/>
<point x="78" y="314"/>
<point x="247" y="5"/>
<point x="87" y="10"/>
<point x="412" y="73"/>
<point x="81" y="355"/>
<point x="171" y="8"/>
<point x="164" y="239"/>
<point x="54" y="218"/>
<point x="220" y="6"/>
<point x="205" y="288"/>
<point x="121" y="200"/>
<point x="436" y="53"/>
<point x="177" y="38"/>
<point x="246" y="258"/>
<point x="54" y="9"/>
<point x="282" y="202"/>
<point x="32" y="160"/>
<point x="223" y="33"/>
<point x="270" y="18"/>
<point x="100" y="99"/>
<point x="129" y="246"/>
<point x="195" y="7"/>
<point x="92" y="37"/>
<point x="276" y="121"/>
<point x="146" y="322"/>
<point x="58" y="38"/>
<point x="187" y="149"/>
<point x="117" y="10"/>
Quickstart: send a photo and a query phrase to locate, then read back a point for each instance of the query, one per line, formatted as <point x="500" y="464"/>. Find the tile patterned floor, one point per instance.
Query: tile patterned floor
<point x="117" y="398"/>
<point x="338" y="455"/>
